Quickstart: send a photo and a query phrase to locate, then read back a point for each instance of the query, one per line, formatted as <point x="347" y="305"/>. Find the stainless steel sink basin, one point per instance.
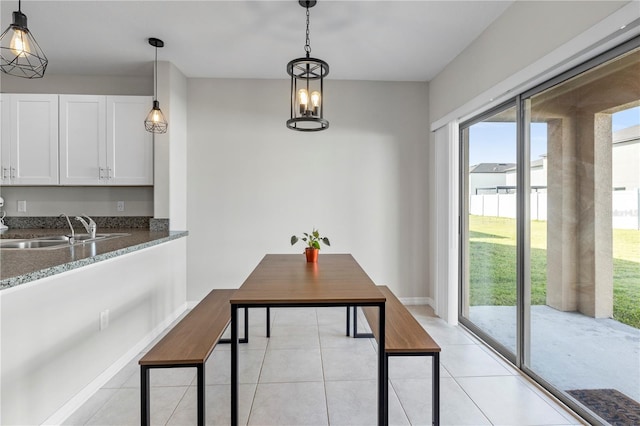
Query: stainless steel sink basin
<point x="56" y="241"/>
<point x="32" y="244"/>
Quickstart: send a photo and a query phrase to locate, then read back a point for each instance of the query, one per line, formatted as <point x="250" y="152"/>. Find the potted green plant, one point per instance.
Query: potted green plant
<point x="313" y="244"/>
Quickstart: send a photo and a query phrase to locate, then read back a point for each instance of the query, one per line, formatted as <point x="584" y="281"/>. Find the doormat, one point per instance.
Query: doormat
<point x="613" y="406"/>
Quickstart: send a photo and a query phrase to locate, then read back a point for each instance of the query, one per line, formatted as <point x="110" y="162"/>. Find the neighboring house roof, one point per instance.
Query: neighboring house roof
<point x="626" y="135"/>
<point x="491" y="167"/>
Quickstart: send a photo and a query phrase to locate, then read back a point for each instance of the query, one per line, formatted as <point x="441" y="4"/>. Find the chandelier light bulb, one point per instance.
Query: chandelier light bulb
<point x="315" y="101"/>
<point x="303" y="100"/>
<point x="19" y="44"/>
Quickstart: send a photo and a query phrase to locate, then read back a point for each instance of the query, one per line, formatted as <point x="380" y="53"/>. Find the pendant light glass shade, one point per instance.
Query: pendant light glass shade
<point x="307" y="87"/>
<point x="155" y="121"/>
<point x="20" y="54"/>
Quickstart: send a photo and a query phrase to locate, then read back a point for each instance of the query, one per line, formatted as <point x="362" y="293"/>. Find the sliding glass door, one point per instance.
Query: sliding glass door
<point x="550" y="234"/>
<point x="489" y="239"/>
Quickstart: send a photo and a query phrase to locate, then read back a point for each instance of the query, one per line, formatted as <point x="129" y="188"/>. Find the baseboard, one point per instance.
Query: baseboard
<point x="83" y="396"/>
<point x="409" y="301"/>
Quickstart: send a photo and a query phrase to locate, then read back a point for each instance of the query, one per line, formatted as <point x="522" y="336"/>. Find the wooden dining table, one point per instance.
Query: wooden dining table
<point x="288" y="280"/>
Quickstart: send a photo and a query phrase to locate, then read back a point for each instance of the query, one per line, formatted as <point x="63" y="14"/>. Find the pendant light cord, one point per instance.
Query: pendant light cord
<point x="20" y="6"/>
<point x="155" y="76"/>
<point x="307" y="46"/>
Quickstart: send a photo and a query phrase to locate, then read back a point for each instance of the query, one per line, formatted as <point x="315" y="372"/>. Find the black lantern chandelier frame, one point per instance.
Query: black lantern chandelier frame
<point x="155" y="121"/>
<point x="307" y="87"/>
<point x="20" y="53"/>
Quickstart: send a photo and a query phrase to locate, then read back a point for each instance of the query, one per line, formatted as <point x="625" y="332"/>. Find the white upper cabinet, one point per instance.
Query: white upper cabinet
<point x="83" y="140"/>
<point x="129" y="145"/>
<point x="103" y="140"/>
<point x="29" y="139"/>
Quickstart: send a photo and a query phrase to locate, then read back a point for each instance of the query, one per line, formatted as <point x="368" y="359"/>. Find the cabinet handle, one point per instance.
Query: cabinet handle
<point x="109" y="173"/>
<point x="100" y="173"/>
<point x="13" y="172"/>
<point x="4" y="173"/>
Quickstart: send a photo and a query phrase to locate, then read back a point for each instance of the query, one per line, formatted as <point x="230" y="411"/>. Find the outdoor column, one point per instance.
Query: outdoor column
<point x="561" y="215"/>
<point x="594" y="227"/>
<point x="579" y="231"/>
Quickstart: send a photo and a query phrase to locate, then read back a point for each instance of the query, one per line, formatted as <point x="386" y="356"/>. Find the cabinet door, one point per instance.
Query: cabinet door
<point x="83" y="140"/>
<point x="5" y="139"/>
<point x="129" y="145"/>
<point x="33" y="138"/>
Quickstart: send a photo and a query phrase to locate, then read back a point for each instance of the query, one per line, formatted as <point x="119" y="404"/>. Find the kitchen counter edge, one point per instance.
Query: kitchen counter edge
<point x="154" y="239"/>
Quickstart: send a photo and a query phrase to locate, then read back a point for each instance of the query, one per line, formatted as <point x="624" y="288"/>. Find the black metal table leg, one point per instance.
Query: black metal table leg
<point x="201" y="393"/>
<point x="145" y="415"/>
<point x="436" y="389"/>
<point x="234" y="365"/>
<point x="348" y="318"/>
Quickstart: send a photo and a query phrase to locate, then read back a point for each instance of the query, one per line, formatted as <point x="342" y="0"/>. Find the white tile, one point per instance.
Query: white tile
<point x="218" y="367"/>
<point x="123" y="408"/>
<point x="333" y="315"/>
<point x="82" y="415"/>
<point x="445" y="334"/>
<point x="294" y="316"/>
<point x="345" y="364"/>
<point x="456" y="408"/>
<point x="510" y="401"/>
<point x="291" y="365"/>
<point x="355" y="403"/>
<point x="125" y="374"/>
<point x="294" y="330"/>
<point x="470" y="360"/>
<point x="329" y="338"/>
<point x="307" y="340"/>
<point x="289" y="404"/>
<point x="217" y="406"/>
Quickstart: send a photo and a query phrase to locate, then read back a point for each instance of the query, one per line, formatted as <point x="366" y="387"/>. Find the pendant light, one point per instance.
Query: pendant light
<point x="307" y="87"/>
<point x="20" y="54"/>
<point x="155" y="121"/>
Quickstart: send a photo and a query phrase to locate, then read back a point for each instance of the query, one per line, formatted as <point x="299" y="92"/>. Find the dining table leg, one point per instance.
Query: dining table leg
<point x="383" y="419"/>
<point x="234" y="364"/>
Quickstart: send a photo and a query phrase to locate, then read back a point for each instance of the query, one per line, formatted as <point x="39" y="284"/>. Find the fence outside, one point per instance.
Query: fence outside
<point x="626" y="205"/>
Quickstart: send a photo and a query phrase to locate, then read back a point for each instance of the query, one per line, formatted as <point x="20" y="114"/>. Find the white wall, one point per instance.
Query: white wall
<point x="93" y="201"/>
<point x="525" y="32"/>
<point x="99" y="201"/>
<point x="52" y="348"/>
<point x="252" y="183"/>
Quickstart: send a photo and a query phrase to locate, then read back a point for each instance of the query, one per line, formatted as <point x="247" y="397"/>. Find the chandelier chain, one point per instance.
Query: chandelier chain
<point x="307" y="46"/>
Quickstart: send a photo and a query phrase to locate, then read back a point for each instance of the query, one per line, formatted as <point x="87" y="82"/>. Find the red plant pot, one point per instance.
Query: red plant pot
<point x="312" y="254"/>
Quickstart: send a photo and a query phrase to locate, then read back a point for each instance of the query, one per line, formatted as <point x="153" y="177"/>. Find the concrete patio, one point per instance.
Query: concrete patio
<point x="571" y="350"/>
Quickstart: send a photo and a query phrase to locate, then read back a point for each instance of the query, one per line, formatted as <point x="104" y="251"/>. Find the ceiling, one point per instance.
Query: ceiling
<point x="361" y="40"/>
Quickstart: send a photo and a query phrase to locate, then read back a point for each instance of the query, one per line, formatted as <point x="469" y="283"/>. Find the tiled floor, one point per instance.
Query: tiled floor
<point x="310" y="373"/>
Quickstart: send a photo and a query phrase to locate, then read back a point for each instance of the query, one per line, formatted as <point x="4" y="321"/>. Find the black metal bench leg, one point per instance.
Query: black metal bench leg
<point x="145" y="415"/>
<point x="436" y="389"/>
<point x="201" y="393"/>
<point x="268" y="321"/>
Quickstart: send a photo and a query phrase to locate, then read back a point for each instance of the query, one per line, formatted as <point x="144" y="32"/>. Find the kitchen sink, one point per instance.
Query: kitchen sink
<point x="56" y="241"/>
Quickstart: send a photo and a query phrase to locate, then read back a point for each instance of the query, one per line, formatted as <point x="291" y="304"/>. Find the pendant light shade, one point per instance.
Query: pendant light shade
<point x="20" y="54"/>
<point x="307" y="87"/>
<point x="155" y="121"/>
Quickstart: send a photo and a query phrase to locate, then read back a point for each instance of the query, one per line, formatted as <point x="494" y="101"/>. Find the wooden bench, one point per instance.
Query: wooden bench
<point x="189" y="344"/>
<point x="404" y="336"/>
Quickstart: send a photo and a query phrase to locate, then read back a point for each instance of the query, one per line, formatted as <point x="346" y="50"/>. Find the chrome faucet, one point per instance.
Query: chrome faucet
<point x="91" y="227"/>
<point x="72" y="238"/>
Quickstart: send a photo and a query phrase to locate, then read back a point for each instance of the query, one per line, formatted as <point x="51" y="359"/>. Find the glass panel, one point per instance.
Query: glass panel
<point x="585" y="237"/>
<point x="489" y="245"/>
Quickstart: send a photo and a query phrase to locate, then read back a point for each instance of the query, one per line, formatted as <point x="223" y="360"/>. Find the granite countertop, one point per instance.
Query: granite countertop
<point x="22" y="266"/>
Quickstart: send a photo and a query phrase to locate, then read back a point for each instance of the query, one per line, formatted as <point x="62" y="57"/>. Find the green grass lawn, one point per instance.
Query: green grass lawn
<point x="493" y="266"/>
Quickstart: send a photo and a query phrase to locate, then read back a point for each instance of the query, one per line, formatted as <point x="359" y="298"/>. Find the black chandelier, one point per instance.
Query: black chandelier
<point x="20" y="54"/>
<point x="307" y="87"/>
<point x="155" y="121"/>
